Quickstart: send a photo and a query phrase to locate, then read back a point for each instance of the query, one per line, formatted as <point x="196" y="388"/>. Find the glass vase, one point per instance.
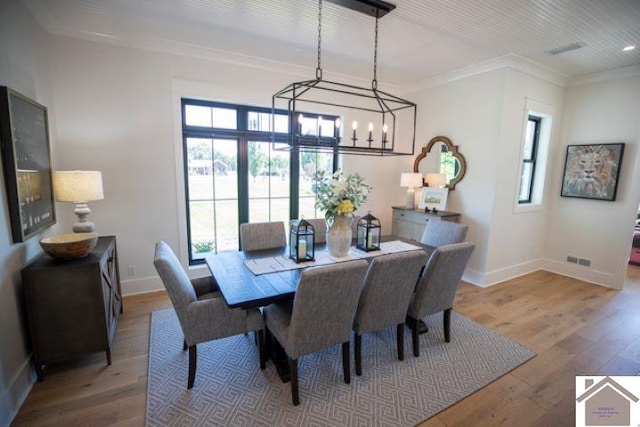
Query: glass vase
<point x="339" y="235"/>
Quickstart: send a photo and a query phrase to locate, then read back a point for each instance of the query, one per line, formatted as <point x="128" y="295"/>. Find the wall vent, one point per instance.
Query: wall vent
<point x="584" y="262"/>
<point x="572" y="259"/>
<point x="565" y="48"/>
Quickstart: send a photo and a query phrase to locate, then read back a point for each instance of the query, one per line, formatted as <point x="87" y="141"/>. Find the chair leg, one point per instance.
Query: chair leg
<point x="400" y="340"/>
<point x="358" y="354"/>
<point x="413" y="324"/>
<point x="261" y="349"/>
<point x="293" y="368"/>
<point x="184" y="345"/>
<point x="447" y="324"/>
<point x="193" y="358"/>
<point x="346" y="365"/>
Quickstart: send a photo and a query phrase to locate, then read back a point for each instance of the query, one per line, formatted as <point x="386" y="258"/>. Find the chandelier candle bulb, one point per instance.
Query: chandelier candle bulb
<point x="370" y="133"/>
<point x="319" y="126"/>
<point x="300" y="118"/>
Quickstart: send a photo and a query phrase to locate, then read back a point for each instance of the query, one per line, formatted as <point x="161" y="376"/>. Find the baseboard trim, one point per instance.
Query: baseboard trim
<point x="14" y="396"/>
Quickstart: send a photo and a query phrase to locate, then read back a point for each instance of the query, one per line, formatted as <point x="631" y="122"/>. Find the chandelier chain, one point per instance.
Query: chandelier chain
<point x="319" y="68"/>
<point x="374" y="83"/>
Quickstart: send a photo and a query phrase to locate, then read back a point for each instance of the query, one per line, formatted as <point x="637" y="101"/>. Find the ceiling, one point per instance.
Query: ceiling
<point x="418" y="40"/>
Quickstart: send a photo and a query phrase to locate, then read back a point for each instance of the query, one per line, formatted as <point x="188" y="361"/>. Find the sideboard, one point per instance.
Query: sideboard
<point x="410" y="223"/>
<point x="73" y="306"/>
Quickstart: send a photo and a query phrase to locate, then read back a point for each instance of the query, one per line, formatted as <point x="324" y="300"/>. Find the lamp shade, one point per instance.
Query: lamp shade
<point x="77" y="186"/>
<point x="410" y="179"/>
<point x="435" y="180"/>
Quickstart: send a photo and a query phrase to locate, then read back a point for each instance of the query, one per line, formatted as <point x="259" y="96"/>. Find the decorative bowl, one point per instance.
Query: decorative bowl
<point x="69" y="246"/>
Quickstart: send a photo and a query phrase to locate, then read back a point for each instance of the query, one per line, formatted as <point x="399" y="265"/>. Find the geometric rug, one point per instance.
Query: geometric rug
<point x="231" y="390"/>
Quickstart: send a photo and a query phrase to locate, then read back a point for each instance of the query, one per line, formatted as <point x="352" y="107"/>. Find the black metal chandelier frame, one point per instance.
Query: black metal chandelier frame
<point x="382" y="103"/>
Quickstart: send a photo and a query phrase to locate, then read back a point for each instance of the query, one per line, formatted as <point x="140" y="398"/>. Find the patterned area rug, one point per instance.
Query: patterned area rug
<point x="230" y="389"/>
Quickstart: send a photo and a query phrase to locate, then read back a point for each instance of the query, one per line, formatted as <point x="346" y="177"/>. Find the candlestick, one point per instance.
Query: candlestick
<point x="370" y="139"/>
<point x="319" y="126"/>
<point x="384" y="134"/>
<point x="355" y="126"/>
<point x="300" y="118"/>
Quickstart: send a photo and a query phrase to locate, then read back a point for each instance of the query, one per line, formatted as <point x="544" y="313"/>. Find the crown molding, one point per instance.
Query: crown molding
<point x="618" y="73"/>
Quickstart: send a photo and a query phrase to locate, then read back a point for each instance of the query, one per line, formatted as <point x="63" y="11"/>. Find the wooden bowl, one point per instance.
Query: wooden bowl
<point x="69" y="246"/>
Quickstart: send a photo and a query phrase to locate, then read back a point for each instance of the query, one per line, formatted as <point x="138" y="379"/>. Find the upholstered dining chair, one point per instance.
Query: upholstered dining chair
<point x="437" y="288"/>
<point x="388" y="287"/>
<point x="319" y="228"/>
<point x="320" y="315"/>
<point x="440" y="232"/>
<point x="255" y="236"/>
<point x="201" y="310"/>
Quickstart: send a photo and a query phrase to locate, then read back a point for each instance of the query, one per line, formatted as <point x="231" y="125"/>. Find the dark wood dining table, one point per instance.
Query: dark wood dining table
<point x="241" y="288"/>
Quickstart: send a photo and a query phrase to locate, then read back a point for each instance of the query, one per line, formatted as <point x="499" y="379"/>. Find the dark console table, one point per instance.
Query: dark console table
<point x="73" y="306"/>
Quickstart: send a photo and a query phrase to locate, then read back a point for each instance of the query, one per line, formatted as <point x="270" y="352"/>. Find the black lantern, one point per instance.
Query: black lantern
<point x="301" y="241"/>
<point x="369" y="233"/>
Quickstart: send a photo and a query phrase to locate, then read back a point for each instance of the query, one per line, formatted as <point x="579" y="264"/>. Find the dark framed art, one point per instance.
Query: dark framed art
<point x="591" y="171"/>
<point x="26" y="160"/>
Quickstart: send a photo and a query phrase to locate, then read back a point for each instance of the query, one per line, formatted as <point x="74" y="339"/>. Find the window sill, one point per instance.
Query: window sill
<point x="528" y="207"/>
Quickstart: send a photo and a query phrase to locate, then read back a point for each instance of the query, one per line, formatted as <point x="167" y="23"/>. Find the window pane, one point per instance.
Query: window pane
<point x="261" y="122"/>
<point x="196" y="115"/>
<point x="280" y="209"/>
<point x="258" y="210"/>
<point x="282" y="123"/>
<point x="224" y="118"/>
<point x="525" y="182"/>
<point x="310" y="163"/>
<point x="528" y="140"/>
<point x="306" y="208"/>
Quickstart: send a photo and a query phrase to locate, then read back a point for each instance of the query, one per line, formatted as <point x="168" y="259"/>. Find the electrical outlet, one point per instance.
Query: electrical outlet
<point x="132" y="270"/>
<point x="572" y="259"/>
<point x="584" y="262"/>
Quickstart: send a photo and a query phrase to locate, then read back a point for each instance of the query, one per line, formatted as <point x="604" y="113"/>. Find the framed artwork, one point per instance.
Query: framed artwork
<point x="591" y="171"/>
<point x="434" y="198"/>
<point x="26" y="159"/>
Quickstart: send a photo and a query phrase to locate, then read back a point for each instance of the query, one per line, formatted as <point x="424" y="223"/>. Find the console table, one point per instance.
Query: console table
<point x="410" y="223"/>
<point x="73" y="306"/>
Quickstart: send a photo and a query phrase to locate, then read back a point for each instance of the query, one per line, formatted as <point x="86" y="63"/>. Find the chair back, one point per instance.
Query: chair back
<point x="439" y="233"/>
<point x="324" y="306"/>
<point x="388" y="287"/>
<point x="175" y="280"/>
<point x="319" y="228"/>
<point x="437" y="287"/>
<point x="255" y="236"/>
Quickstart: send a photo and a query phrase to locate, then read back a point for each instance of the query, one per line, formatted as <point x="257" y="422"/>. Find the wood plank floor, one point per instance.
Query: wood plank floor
<point x="575" y="328"/>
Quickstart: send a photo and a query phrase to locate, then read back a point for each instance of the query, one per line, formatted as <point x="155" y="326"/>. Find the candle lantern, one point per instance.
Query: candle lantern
<point x="301" y="241"/>
<point x="369" y="233"/>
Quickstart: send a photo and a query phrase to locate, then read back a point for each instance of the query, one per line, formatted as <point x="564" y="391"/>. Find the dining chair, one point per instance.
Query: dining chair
<point x="202" y="312"/>
<point x="319" y="228"/>
<point x="255" y="236"/>
<point x="320" y="315"/>
<point x="437" y="288"/>
<point x="384" y="300"/>
<point x="441" y="232"/>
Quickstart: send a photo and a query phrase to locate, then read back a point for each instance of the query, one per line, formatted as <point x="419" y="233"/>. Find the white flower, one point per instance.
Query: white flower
<point x="334" y="190"/>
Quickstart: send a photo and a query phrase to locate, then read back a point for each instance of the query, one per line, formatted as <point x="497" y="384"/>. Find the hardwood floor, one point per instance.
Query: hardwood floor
<point x="575" y="328"/>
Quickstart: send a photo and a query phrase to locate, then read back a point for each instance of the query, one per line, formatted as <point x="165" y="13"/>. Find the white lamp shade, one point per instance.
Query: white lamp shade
<point x="411" y="180"/>
<point x="77" y="186"/>
<point x="435" y="180"/>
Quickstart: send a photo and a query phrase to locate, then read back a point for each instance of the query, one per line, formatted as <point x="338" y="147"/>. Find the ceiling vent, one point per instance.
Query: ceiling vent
<point x="566" y="48"/>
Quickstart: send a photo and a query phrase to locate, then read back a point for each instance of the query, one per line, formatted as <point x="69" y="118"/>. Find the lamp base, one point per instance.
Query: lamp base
<point x="83" y="225"/>
<point x="411" y="199"/>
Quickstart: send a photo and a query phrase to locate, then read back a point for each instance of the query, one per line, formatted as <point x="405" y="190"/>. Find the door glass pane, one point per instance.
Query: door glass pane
<point x="310" y="163"/>
<point x="268" y="179"/>
<point x="213" y="195"/>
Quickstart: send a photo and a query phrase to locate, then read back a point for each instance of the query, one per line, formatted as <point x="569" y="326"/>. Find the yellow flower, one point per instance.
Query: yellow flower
<point x="345" y="207"/>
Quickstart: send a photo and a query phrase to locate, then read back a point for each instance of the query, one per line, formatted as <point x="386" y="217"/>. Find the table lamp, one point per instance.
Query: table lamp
<point x="411" y="181"/>
<point x="79" y="187"/>
<point x="435" y="180"/>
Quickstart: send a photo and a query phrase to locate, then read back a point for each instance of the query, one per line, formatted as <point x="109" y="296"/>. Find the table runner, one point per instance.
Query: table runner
<point x="259" y="266"/>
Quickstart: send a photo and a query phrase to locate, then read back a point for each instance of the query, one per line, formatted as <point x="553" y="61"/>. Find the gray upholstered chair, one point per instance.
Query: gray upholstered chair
<point x="255" y="236"/>
<point x="388" y="287"/>
<point x="201" y="310"/>
<point x="437" y="288"/>
<point x="320" y="315"/>
<point x="440" y="232"/>
<point x="319" y="228"/>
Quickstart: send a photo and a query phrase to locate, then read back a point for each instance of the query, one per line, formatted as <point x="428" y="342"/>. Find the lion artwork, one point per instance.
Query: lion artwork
<point x="591" y="171"/>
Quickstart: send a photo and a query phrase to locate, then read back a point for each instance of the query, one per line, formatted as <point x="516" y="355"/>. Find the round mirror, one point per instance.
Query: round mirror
<point x="441" y="156"/>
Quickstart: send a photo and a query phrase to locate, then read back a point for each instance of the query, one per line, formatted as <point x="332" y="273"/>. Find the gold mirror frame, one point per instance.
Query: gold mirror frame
<point x="453" y="149"/>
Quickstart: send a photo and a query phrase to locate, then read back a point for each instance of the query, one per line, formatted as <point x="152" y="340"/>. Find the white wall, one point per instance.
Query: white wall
<point x="118" y="112"/>
<point x="24" y="67"/>
<point x="598" y="230"/>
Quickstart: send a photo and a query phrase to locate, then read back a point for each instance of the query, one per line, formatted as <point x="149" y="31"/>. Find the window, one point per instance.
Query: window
<point x="529" y="154"/>
<point x="234" y="173"/>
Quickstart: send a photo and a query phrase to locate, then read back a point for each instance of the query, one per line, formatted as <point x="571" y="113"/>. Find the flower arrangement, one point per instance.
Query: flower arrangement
<point x="339" y="193"/>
